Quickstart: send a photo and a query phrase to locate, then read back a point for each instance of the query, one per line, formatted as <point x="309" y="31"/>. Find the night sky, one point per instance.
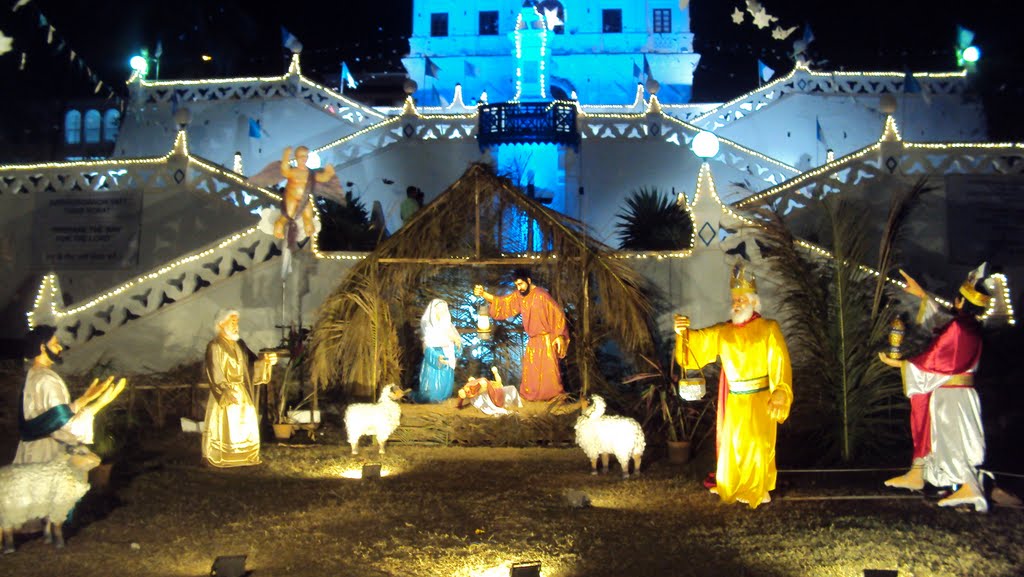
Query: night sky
<point x="245" y="39"/>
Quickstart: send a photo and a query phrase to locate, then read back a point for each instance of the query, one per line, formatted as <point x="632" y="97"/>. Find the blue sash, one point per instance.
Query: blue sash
<point x="41" y="425"/>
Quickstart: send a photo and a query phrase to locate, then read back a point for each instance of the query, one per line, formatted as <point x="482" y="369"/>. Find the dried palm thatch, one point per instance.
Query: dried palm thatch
<point x="479" y="229"/>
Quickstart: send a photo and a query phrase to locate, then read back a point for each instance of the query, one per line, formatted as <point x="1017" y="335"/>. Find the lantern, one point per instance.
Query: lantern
<point x="483" y="322"/>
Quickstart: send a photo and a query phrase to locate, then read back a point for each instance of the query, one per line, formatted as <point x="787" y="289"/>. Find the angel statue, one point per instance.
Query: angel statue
<point x="300" y="188"/>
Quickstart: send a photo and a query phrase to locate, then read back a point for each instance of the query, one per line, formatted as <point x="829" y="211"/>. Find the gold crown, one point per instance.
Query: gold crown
<point x="970" y="293"/>
<point x="740" y="283"/>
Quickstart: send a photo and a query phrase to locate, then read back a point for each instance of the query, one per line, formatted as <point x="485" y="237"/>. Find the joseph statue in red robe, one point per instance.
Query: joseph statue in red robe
<point x="544" y="323"/>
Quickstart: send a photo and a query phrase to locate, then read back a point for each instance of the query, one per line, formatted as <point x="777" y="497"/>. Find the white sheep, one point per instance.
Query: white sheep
<point x="600" y="434"/>
<point x="47" y="490"/>
<point x="378" y="419"/>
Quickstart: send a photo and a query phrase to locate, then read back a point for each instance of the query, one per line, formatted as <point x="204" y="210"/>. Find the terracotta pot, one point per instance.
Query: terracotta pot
<point x="679" y="452"/>
<point x="283" y="430"/>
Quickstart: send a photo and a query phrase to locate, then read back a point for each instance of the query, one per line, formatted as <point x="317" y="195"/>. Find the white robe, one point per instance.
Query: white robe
<point x="44" y="389"/>
<point x="232" y="434"/>
<point x="957" y="436"/>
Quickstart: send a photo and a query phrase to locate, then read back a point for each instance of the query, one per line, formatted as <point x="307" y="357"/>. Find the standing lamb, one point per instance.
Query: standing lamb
<point x="47" y="490"/>
<point x="600" y="434"/>
<point x="378" y="419"/>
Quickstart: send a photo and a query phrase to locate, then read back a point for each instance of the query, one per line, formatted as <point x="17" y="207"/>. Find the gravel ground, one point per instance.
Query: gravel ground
<point x="471" y="512"/>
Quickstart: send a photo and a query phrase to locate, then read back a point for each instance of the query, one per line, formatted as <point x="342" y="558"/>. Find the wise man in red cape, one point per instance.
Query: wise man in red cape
<point x="945" y="413"/>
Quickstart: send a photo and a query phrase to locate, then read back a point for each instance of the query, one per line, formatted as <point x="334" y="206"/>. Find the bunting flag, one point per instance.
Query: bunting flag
<point x="808" y="34"/>
<point x="346" y="77"/>
<point x="470" y="70"/>
<point x="647" y="69"/>
<point x="636" y="72"/>
<point x="289" y="41"/>
<point x="431" y="69"/>
<point x="964" y="37"/>
<point x="764" y="73"/>
<point x="910" y="84"/>
<point x="820" y="133"/>
<point x="53" y="38"/>
<point x="254" y="128"/>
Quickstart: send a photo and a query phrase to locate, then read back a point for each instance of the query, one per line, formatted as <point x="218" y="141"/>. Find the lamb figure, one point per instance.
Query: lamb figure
<point x="377" y="420"/>
<point x="47" y="490"/>
<point x="600" y="435"/>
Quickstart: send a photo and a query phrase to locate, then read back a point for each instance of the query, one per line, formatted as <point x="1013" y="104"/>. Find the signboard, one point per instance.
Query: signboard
<point x="87" y="230"/>
<point x="984" y="216"/>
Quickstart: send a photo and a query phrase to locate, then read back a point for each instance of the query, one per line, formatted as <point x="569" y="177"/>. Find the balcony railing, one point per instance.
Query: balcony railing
<point x="528" y="122"/>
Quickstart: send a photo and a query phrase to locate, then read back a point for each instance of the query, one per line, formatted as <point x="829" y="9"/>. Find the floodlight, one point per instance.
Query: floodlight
<point x="525" y="569"/>
<point x="971" y="54"/>
<point x="371" y="471"/>
<point x="139" y="64"/>
<point x="229" y="566"/>
<point x="705" y="145"/>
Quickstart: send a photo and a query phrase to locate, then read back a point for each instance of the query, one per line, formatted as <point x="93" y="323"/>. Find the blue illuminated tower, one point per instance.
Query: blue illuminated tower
<point x="599" y="50"/>
<point x="530" y="38"/>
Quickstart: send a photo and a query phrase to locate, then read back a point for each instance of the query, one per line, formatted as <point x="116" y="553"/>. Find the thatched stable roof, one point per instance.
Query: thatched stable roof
<point x="475" y="232"/>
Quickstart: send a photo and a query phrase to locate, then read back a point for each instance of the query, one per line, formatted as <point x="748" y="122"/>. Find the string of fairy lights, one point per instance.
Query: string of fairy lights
<point x="49" y="286"/>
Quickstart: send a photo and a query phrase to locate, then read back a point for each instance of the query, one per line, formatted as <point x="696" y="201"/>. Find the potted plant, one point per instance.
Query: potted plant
<point x="295" y="344"/>
<point x="682" y="422"/>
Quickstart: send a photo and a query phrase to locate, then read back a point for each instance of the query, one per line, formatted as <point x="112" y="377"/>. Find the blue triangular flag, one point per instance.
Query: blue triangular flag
<point x="647" y="68"/>
<point x="346" y="77"/>
<point x="289" y="41"/>
<point x="470" y="70"/>
<point x="910" y="84"/>
<point x="431" y="69"/>
<point x="820" y="133"/>
<point x="808" y="34"/>
<point x="636" y="72"/>
<point x="964" y="37"/>
<point x="764" y="73"/>
<point x="254" y="128"/>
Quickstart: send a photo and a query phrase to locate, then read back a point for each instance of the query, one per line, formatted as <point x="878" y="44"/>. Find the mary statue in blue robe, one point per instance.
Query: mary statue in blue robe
<point x="441" y="344"/>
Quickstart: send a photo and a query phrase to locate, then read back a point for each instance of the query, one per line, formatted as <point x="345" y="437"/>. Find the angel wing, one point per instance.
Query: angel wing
<point x="332" y="189"/>
<point x="269" y="177"/>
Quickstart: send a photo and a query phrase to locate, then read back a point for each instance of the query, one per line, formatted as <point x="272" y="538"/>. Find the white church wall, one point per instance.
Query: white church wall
<point x="787" y="129"/>
<point x="608" y="181"/>
<point x="178" y="333"/>
<point x="432" y="167"/>
<point x="218" y="129"/>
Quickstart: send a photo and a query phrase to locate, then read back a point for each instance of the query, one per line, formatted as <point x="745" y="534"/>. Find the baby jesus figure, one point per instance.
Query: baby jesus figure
<point x="488" y="396"/>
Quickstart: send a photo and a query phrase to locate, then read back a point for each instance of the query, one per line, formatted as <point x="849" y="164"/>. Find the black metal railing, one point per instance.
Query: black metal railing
<point x="525" y="122"/>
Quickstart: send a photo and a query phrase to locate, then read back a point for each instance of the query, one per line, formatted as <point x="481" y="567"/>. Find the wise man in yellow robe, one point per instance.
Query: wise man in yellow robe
<point x="232" y="434"/>
<point x="755" y="391"/>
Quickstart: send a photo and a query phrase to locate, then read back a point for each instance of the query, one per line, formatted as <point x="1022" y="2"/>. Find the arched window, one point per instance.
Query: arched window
<point x="73" y="127"/>
<point x="92" y="126"/>
<point x="111" y="123"/>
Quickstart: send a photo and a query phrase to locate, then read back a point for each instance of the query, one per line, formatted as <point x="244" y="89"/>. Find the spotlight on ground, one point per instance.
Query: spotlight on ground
<point x="371" y="471"/>
<point x="229" y="566"/>
<point x="881" y="573"/>
<point x="525" y="569"/>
